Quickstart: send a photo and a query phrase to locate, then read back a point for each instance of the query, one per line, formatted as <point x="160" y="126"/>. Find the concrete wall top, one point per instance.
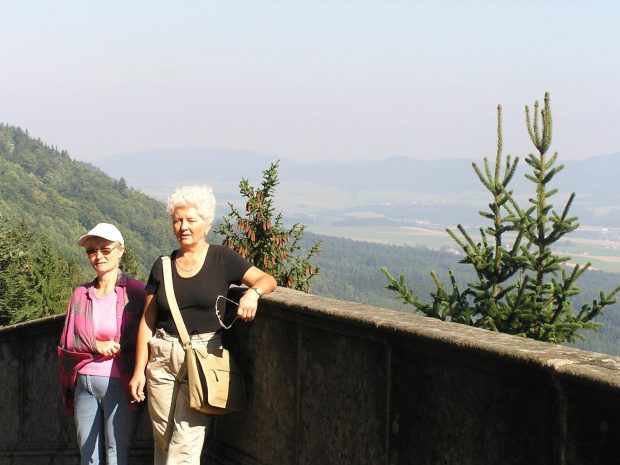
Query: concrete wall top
<point x="590" y="367"/>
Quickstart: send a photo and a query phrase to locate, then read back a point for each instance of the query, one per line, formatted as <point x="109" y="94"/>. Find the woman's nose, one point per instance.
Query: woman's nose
<point x="98" y="252"/>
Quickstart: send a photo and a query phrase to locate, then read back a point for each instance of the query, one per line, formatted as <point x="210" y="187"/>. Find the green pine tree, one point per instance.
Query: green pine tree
<point x="16" y="272"/>
<point x="129" y="264"/>
<point x="35" y="279"/>
<point x="522" y="288"/>
<point x="53" y="280"/>
<point x="260" y="236"/>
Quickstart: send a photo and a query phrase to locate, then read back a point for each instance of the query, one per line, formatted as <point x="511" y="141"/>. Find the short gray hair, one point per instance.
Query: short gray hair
<point x="199" y="197"/>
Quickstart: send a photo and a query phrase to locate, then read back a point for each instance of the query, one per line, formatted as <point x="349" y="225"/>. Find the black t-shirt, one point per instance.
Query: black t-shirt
<point x="196" y="296"/>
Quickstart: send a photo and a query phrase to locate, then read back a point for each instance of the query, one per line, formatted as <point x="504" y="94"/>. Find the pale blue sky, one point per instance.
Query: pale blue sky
<point x="309" y="80"/>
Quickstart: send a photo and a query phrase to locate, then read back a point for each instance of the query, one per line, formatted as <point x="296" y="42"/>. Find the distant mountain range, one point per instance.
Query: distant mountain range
<point x="327" y="187"/>
<point x="596" y="175"/>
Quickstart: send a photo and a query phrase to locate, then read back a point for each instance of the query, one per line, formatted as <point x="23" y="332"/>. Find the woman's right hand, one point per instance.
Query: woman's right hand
<point x="136" y="385"/>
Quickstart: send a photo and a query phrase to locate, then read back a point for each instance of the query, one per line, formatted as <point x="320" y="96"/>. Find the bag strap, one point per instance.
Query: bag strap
<point x="172" y="301"/>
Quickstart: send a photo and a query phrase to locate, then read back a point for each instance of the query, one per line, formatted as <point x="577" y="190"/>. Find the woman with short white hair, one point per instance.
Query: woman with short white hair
<point x="200" y="273"/>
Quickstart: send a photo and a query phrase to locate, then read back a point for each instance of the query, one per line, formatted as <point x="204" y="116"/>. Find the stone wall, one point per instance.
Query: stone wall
<point x="344" y="383"/>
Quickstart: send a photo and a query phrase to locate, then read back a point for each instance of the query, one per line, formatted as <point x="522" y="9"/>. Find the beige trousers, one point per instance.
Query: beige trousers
<point x="178" y="430"/>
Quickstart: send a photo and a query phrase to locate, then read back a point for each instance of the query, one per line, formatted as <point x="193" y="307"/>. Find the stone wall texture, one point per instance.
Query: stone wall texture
<point x="332" y="382"/>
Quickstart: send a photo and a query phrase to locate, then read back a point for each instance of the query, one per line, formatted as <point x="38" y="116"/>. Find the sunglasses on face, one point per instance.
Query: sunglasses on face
<point x="104" y="251"/>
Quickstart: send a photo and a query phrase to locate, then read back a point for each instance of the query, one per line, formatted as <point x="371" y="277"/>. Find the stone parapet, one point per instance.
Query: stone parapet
<point x="345" y="383"/>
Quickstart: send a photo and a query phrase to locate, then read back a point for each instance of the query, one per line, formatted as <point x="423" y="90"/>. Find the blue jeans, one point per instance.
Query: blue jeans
<point x="105" y="426"/>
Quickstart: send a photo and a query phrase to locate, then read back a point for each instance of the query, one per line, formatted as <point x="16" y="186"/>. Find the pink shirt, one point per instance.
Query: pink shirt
<point x="77" y="345"/>
<point x="105" y="325"/>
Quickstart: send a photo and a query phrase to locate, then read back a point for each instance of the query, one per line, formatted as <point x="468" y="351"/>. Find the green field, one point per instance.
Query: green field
<point x="604" y="254"/>
<point x="433" y="239"/>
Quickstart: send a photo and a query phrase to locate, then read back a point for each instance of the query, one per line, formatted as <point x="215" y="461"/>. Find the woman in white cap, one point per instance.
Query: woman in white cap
<point x="200" y="274"/>
<point x="97" y="352"/>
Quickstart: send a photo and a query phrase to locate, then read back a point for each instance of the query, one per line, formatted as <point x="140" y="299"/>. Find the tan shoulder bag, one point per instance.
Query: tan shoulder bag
<point x="214" y="380"/>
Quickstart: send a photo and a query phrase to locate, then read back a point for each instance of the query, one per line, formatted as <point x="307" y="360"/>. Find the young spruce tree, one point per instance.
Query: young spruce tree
<point x="262" y="239"/>
<point x="523" y="288"/>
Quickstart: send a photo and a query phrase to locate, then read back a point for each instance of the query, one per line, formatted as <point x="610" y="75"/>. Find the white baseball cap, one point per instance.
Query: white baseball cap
<point x="105" y="231"/>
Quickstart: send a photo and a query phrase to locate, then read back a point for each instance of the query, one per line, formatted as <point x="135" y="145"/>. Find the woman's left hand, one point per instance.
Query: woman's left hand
<point x="108" y="348"/>
<point x="247" y="305"/>
<point x="260" y="283"/>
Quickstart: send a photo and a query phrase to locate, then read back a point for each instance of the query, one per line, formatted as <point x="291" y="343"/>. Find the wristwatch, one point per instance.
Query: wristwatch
<point x="258" y="291"/>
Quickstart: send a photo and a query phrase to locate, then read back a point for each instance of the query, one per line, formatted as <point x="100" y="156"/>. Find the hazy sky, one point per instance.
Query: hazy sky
<point x="310" y="79"/>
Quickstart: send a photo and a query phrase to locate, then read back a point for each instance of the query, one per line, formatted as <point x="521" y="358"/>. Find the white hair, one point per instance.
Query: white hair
<point x="199" y="197"/>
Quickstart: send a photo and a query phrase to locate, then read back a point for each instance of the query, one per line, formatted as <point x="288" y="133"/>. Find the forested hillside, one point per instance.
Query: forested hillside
<point x="63" y="199"/>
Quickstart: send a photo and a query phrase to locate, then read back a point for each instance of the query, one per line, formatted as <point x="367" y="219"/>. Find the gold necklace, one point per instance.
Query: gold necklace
<point x="187" y="271"/>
